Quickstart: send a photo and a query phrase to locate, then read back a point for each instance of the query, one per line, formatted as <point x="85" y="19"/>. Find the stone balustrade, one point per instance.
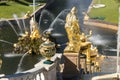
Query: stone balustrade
<point x="39" y="72"/>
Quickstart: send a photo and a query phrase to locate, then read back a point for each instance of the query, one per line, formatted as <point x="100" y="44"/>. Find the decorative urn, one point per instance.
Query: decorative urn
<point x="47" y="50"/>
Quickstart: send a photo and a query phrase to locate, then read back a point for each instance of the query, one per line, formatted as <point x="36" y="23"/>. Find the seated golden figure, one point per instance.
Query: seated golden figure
<point x="84" y="43"/>
<point x="78" y="42"/>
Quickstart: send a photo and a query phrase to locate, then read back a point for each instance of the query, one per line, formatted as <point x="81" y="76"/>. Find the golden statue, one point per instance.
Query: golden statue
<point x="78" y="42"/>
<point x="72" y="21"/>
<point x="76" y="39"/>
<point x="73" y="31"/>
<point x="27" y="15"/>
<point x="29" y="41"/>
<point x="85" y="46"/>
<point x="34" y="31"/>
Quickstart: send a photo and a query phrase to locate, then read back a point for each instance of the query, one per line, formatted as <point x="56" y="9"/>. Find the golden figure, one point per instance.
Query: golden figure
<point x="76" y="39"/>
<point x="78" y="42"/>
<point x="73" y="31"/>
<point x="29" y="41"/>
<point x="85" y="47"/>
<point x="34" y="31"/>
<point x="72" y="21"/>
<point x="72" y="25"/>
<point x="27" y="15"/>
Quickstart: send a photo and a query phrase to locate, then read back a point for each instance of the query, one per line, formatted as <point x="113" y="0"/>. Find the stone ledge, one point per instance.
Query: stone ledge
<point x="46" y="66"/>
<point x="101" y="24"/>
<point x="39" y="72"/>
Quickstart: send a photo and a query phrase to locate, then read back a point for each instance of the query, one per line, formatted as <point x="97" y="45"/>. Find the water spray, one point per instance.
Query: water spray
<point x="6" y="42"/>
<point x="18" y="23"/>
<point x="34" y="10"/>
<point x="118" y="43"/>
<point x="20" y="63"/>
<point x="11" y="26"/>
<point x="23" y="21"/>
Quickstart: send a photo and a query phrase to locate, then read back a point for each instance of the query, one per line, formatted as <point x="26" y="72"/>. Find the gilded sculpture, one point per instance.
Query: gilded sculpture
<point x="27" y="15"/>
<point x="29" y="41"/>
<point x="33" y="43"/>
<point x="78" y="41"/>
<point x="75" y="37"/>
<point x="73" y="31"/>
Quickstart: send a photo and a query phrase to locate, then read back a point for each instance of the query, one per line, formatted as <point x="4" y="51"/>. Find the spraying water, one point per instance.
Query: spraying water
<point x="118" y="43"/>
<point x="23" y="21"/>
<point x="34" y="9"/>
<point x="19" y="69"/>
<point x="45" y="14"/>
<point x="46" y="18"/>
<point x="110" y="49"/>
<point x="61" y="17"/>
<point x="11" y="26"/>
<point x="16" y="18"/>
<point x="6" y="42"/>
<point x="57" y="26"/>
<point x="99" y="40"/>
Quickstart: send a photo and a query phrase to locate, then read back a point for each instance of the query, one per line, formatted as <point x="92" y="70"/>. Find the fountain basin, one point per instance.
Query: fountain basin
<point x="10" y="63"/>
<point x="39" y="72"/>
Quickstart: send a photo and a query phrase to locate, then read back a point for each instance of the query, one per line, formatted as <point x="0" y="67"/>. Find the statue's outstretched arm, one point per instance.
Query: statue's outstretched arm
<point x="90" y="34"/>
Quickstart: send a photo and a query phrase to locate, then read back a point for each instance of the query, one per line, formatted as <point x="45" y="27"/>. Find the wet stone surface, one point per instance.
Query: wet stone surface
<point x="108" y="66"/>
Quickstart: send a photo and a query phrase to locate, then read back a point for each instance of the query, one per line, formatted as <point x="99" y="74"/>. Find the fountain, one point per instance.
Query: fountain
<point x="113" y="76"/>
<point x="58" y="31"/>
<point x="28" y="40"/>
<point x="79" y="53"/>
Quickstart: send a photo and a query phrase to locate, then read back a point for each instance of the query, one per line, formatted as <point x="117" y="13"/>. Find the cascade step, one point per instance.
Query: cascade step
<point x="108" y="66"/>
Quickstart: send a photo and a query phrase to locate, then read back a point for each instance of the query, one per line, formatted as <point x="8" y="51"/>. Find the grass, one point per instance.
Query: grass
<point x="7" y="9"/>
<point x="110" y="12"/>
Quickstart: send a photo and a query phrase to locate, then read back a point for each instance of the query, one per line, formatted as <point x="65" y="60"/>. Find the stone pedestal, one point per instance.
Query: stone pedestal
<point x="73" y="64"/>
<point x="83" y="62"/>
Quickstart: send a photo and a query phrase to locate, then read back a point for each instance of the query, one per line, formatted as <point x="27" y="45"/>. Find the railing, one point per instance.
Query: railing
<point x="39" y="72"/>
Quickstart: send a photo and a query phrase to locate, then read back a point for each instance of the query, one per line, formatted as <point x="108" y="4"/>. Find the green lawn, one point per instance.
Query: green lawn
<point x="110" y="12"/>
<point x="7" y="9"/>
